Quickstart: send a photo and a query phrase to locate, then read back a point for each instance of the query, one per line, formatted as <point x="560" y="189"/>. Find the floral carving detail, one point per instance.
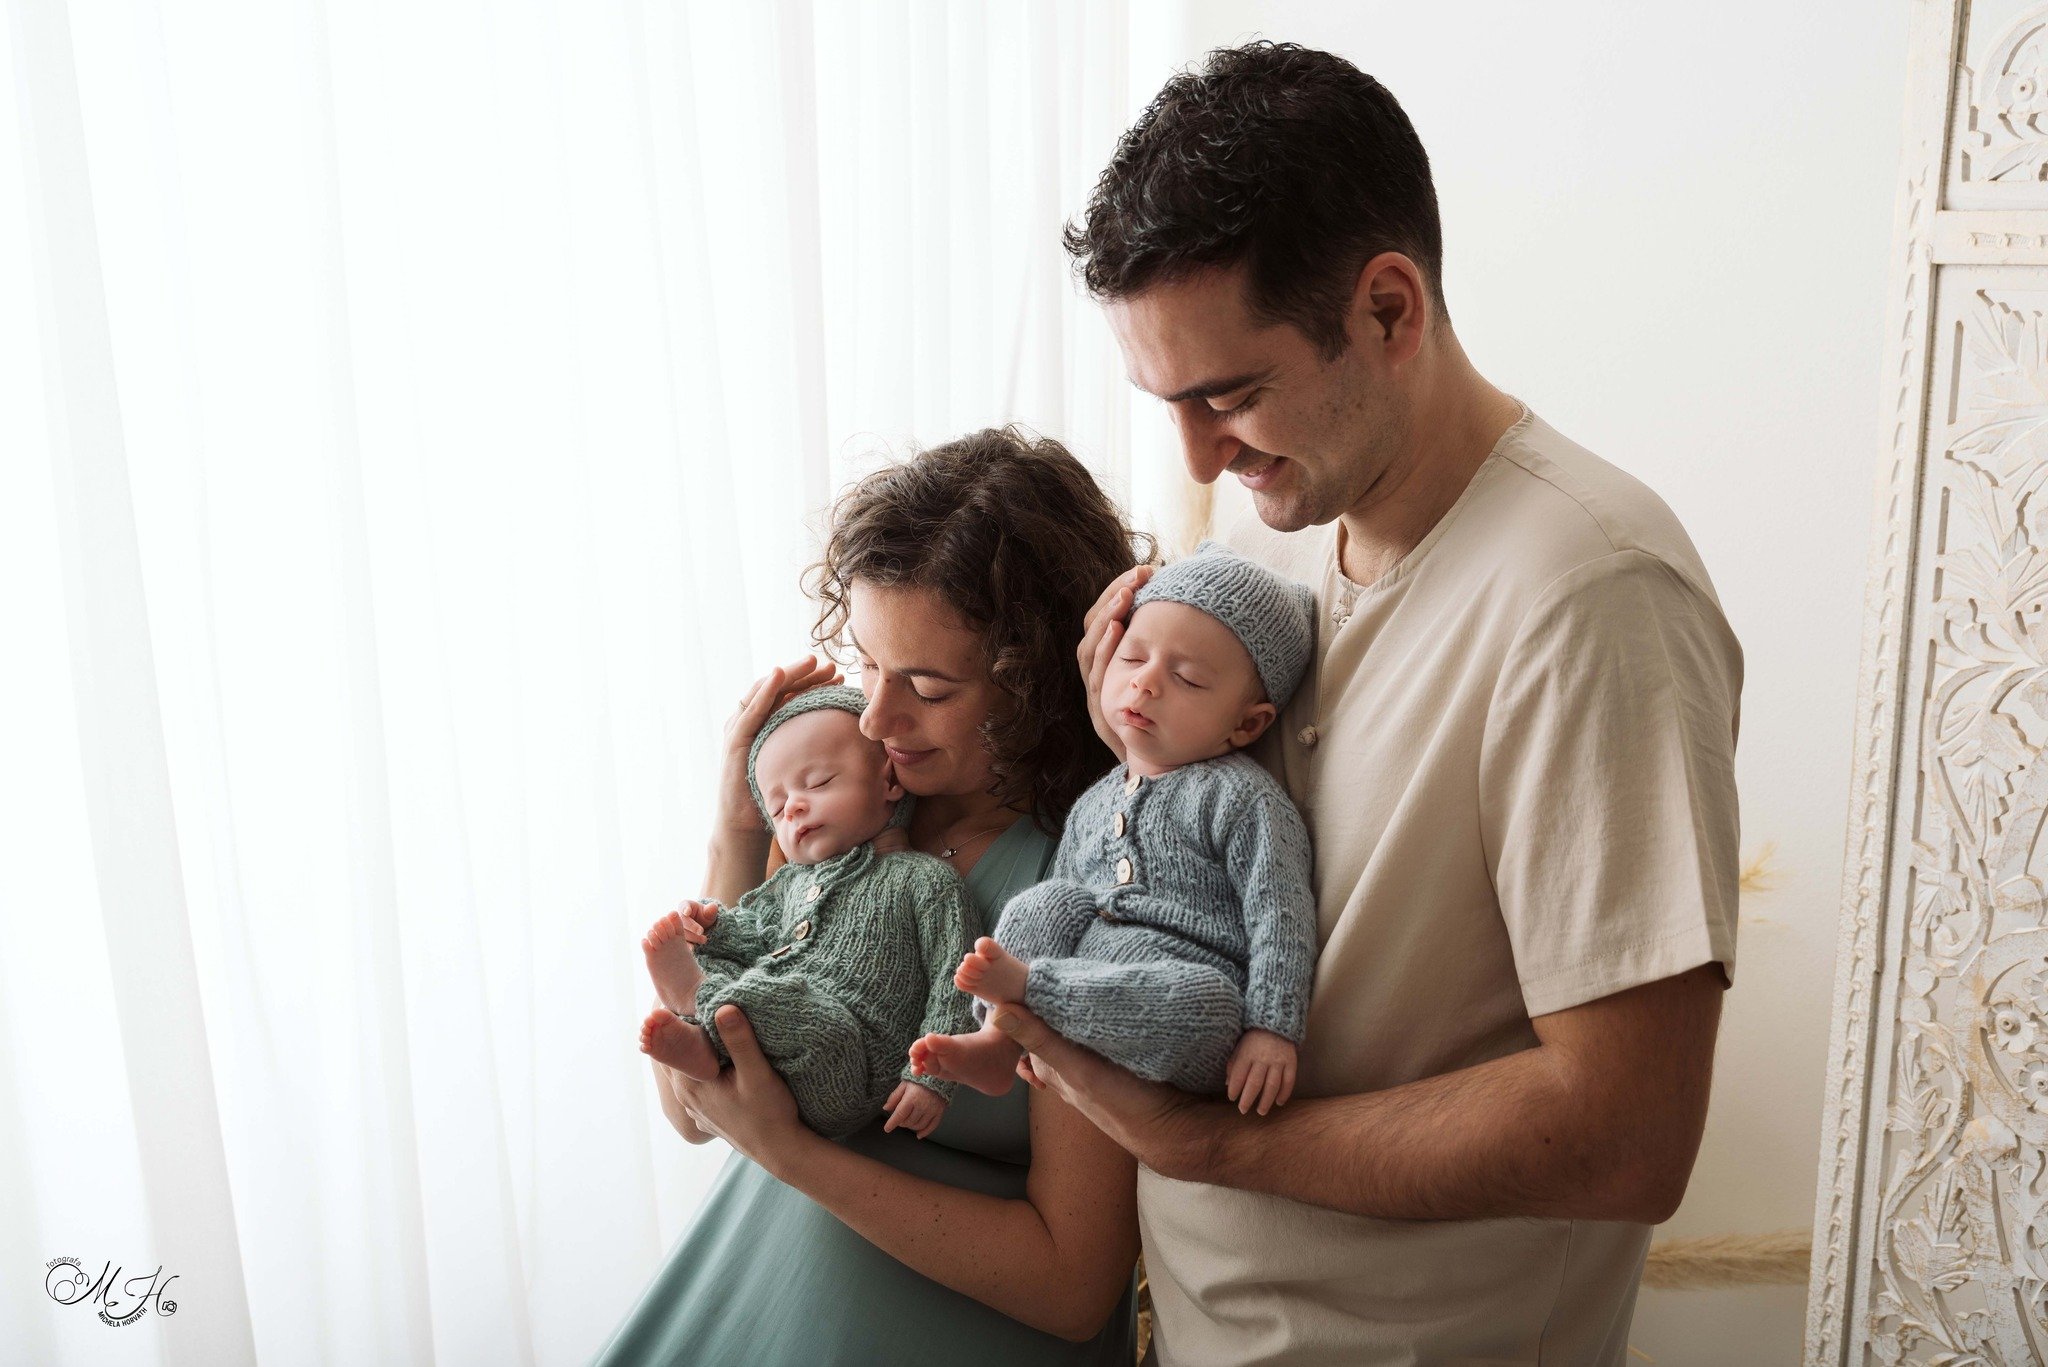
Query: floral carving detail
<point x="1960" y="1259"/>
<point x="2005" y="137"/>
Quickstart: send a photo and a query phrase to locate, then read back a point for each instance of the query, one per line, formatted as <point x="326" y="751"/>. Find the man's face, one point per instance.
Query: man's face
<point x="1307" y="437"/>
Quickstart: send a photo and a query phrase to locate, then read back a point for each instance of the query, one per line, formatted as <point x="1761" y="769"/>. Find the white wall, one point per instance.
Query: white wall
<point x="1667" y="228"/>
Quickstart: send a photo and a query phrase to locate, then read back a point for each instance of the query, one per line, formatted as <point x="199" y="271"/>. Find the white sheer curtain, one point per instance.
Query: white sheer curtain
<point x="413" y="417"/>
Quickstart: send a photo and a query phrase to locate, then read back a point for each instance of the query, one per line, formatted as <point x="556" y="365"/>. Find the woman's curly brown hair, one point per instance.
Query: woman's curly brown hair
<point x="1013" y="533"/>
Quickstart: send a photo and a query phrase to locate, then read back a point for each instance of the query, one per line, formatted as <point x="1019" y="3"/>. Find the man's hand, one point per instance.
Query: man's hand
<point x="915" y="1108"/>
<point x="1261" y="1071"/>
<point x="1159" y="1126"/>
<point x="1101" y="630"/>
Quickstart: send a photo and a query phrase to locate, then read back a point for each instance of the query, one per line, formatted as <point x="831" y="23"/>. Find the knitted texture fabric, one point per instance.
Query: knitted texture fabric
<point x="839" y="965"/>
<point x="845" y="698"/>
<point x="1274" y="616"/>
<point x="1180" y="913"/>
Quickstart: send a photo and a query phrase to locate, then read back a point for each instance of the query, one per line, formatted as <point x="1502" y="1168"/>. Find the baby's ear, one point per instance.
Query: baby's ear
<point x="891" y="789"/>
<point x="1253" y="724"/>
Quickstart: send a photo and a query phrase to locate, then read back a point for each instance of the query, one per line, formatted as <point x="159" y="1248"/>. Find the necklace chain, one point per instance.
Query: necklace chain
<point x="952" y="850"/>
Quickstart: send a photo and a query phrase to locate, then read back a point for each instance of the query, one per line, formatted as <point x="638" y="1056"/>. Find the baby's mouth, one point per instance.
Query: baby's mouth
<point x="1132" y="717"/>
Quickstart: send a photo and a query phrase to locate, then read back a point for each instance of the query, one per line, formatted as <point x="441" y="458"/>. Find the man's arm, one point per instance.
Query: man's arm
<point x="1601" y="1121"/>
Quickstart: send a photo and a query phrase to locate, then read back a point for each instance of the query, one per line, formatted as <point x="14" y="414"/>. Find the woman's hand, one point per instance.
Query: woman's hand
<point x="736" y="809"/>
<point x="749" y="1106"/>
<point x="1100" y="632"/>
<point x="679" y="1120"/>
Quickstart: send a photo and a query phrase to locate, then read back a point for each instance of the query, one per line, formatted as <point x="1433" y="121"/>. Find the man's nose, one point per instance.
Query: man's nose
<point x="1207" y="452"/>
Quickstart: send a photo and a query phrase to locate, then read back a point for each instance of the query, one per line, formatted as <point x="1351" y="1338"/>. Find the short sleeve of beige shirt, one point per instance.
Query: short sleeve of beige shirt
<point x="1607" y="785"/>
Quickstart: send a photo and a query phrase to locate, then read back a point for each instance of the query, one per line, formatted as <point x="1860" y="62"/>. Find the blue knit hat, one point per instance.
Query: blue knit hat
<point x="845" y="698"/>
<point x="1274" y="616"/>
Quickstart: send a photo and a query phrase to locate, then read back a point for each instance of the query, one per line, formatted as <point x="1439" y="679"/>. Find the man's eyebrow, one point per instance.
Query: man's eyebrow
<point x="1209" y="389"/>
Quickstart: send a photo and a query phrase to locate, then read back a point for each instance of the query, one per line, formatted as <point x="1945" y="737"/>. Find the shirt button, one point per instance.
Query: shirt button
<point x="813" y="893"/>
<point x="1123" y="870"/>
<point x="1308" y="735"/>
<point x="776" y="954"/>
<point x="803" y="928"/>
<point x="1119" y="823"/>
<point x="1131" y="784"/>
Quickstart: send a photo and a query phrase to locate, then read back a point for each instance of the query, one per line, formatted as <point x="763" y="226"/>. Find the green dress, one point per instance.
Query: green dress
<point x="766" y="1275"/>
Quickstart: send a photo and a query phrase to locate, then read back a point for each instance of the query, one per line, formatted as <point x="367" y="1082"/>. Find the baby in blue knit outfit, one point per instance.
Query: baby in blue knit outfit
<point x="1177" y="933"/>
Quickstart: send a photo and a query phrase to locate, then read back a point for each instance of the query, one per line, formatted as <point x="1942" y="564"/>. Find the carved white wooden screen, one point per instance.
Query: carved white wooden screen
<point x="1931" y="1233"/>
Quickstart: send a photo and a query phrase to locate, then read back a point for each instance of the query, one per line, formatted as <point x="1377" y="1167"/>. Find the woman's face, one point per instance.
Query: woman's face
<point x="928" y="693"/>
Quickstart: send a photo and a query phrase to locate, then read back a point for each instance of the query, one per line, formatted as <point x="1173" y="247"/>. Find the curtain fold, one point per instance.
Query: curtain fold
<point x="414" y="418"/>
<point x="163" y="1053"/>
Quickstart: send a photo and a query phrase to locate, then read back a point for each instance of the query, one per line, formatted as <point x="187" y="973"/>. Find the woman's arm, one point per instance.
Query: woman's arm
<point x="1057" y="1260"/>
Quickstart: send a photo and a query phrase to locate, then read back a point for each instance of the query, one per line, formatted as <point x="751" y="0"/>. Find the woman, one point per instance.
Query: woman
<point x="961" y="578"/>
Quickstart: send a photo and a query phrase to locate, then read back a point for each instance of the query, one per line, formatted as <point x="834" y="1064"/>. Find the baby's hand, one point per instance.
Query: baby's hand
<point x="914" y="1108"/>
<point x="1262" y="1069"/>
<point x="697" y="919"/>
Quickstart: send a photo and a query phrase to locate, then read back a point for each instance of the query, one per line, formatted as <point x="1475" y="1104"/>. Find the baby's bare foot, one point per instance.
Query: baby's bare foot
<point x="679" y="1044"/>
<point x="992" y="973"/>
<point x="672" y="963"/>
<point x="985" y="1060"/>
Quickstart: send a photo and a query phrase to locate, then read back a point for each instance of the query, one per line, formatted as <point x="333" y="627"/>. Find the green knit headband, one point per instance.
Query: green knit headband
<point x="845" y="698"/>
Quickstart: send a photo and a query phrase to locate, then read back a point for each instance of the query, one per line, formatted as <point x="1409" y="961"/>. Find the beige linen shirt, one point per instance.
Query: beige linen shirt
<point x="1515" y="753"/>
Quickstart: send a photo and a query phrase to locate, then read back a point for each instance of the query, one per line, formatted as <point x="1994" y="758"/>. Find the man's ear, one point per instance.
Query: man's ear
<point x="1391" y="306"/>
<point x="1253" y="724"/>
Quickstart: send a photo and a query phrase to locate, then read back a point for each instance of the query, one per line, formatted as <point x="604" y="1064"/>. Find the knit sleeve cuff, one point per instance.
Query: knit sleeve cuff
<point x="943" y="1088"/>
<point x="1288" y="1022"/>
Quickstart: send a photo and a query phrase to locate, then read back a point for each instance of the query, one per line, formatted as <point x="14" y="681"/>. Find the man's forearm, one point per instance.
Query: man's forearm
<point x="1511" y="1137"/>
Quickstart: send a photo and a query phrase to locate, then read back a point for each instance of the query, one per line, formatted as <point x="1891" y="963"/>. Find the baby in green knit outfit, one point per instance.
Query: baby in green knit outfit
<point x="843" y="957"/>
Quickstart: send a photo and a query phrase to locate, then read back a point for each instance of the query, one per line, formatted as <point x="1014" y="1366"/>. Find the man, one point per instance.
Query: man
<point x="1515" y="753"/>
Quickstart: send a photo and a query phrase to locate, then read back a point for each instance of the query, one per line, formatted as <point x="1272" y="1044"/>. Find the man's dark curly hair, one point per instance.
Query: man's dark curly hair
<point x="1289" y="160"/>
<point x="1013" y="533"/>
